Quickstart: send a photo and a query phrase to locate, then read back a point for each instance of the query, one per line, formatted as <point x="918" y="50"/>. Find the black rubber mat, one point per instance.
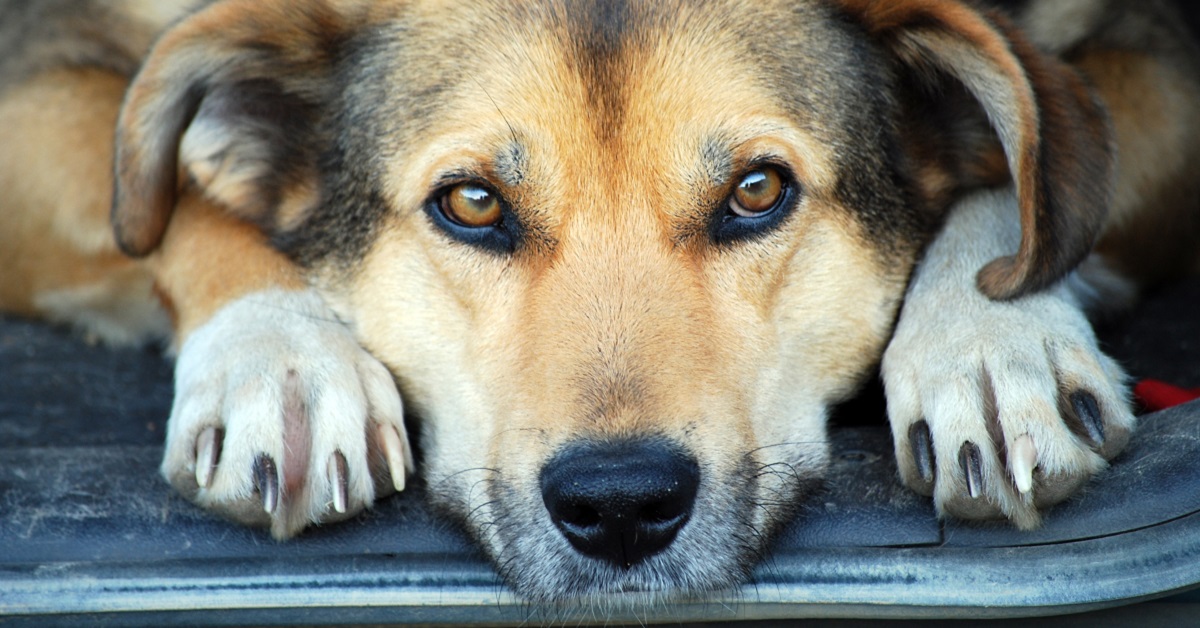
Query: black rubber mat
<point x="91" y="533"/>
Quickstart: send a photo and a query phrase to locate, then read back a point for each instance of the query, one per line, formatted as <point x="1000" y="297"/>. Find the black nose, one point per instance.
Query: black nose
<point x="620" y="502"/>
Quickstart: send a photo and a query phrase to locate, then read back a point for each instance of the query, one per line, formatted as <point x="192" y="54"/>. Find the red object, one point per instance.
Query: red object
<point x="1154" y="395"/>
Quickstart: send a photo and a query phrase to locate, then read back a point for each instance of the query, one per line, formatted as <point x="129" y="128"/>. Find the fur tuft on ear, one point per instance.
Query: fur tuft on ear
<point x="229" y="99"/>
<point x="1054" y="133"/>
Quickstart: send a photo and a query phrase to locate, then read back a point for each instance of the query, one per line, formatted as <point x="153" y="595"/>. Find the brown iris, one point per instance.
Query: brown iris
<point x="471" y="205"/>
<point x="757" y="193"/>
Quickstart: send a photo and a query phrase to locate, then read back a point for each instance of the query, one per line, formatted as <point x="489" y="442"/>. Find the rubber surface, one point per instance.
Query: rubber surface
<point x="89" y="532"/>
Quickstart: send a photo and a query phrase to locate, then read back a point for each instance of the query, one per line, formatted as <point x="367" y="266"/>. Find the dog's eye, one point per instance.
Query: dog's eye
<point x="474" y="213"/>
<point x="471" y="205"/>
<point x="757" y="193"/>
<point x="759" y="203"/>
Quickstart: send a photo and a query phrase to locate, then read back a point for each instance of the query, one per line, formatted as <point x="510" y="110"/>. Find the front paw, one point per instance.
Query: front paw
<point x="1000" y="409"/>
<point x="281" y="418"/>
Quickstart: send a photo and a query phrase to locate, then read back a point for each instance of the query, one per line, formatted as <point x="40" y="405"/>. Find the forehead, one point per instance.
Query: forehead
<point x="596" y="80"/>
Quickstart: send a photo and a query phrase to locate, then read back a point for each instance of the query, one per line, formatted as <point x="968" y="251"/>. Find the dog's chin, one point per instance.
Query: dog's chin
<point x="715" y="550"/>
<point x="740" y="503"/>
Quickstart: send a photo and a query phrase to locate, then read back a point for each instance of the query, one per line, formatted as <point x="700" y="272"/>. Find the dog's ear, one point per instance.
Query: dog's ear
<point x="230" y="100"/>
<point x="1054" y="134"/>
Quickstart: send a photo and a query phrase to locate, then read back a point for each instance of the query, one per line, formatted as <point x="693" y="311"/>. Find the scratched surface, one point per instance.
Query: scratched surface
<point x="56" y="390"/>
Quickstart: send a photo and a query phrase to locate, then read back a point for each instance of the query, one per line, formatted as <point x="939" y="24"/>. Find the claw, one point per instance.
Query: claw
<point x="922" y="449"/>
<point x="1023" y="459"/>
<point x="337" y="479"/>
<point x="207" y="452"/>
<point x="266" y="481"/>
<point x="1088" y="411"/>
<point x="393" y="450"/>
<point x="971" y="462"/>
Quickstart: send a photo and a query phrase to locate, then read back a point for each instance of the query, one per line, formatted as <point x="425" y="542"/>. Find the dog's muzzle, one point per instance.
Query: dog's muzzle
<point x="620" y="502"/>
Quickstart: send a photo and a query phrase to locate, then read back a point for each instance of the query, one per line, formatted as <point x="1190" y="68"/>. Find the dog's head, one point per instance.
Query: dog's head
<point x="620" y="256"/>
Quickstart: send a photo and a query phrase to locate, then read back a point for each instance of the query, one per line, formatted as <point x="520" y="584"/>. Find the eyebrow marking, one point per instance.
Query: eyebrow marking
<point x="599" y="34"/>
<point x="716" y="161"/>
<point x="511" y="162"/>
<point x="704" y="178"/>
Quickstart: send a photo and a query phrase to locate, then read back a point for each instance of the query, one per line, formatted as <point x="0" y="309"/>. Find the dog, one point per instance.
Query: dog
<point x="620" y="258"/>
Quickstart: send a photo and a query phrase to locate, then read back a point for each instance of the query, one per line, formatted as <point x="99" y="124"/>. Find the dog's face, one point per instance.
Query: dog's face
<point x="626" y="239"/>
<point x="621" y="257"/>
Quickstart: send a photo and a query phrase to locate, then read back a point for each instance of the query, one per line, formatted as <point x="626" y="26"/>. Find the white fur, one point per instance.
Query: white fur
<point x="225" y="161"/>
<point x="115" y="310"/>
<point x="950" y="337"/>
<point x="239" y="372"/>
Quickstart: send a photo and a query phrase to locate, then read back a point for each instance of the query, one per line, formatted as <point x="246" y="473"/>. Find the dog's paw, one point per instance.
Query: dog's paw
<point x="281" y="418"/>
<point x="997" y="408"/>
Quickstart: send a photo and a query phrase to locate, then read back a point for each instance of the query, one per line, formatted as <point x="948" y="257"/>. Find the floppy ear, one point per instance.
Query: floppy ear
<point x="1054" y="133"/>
<point x="230" y="98"/>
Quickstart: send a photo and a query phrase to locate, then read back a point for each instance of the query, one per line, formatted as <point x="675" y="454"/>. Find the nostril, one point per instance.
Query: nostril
<point x="579" y="516"/>
<point x="660" y="512"/>
<point x="620" y="502"/>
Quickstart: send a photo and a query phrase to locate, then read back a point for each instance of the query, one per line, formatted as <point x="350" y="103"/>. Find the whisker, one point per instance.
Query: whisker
<point x="784" y="444"/>
<point x="446" y="478"/>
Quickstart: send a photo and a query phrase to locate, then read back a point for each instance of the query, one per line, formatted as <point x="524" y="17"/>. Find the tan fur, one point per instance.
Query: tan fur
<point x="504" y="350"/>
<point x="1156" y="113"/>
<point x="58" y="238"/>
<point x="56" y="244"/>
<point x="209" y="259"/>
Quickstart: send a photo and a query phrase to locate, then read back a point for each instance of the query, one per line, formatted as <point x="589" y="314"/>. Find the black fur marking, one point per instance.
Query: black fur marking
<point x="262" y="111"/>
<point x="344" y="223"/>
<point x="342" y="226"/>
<point x="1012" y="7"/>
<point x="874" y="180"/>
<point x="600" y="32"/>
